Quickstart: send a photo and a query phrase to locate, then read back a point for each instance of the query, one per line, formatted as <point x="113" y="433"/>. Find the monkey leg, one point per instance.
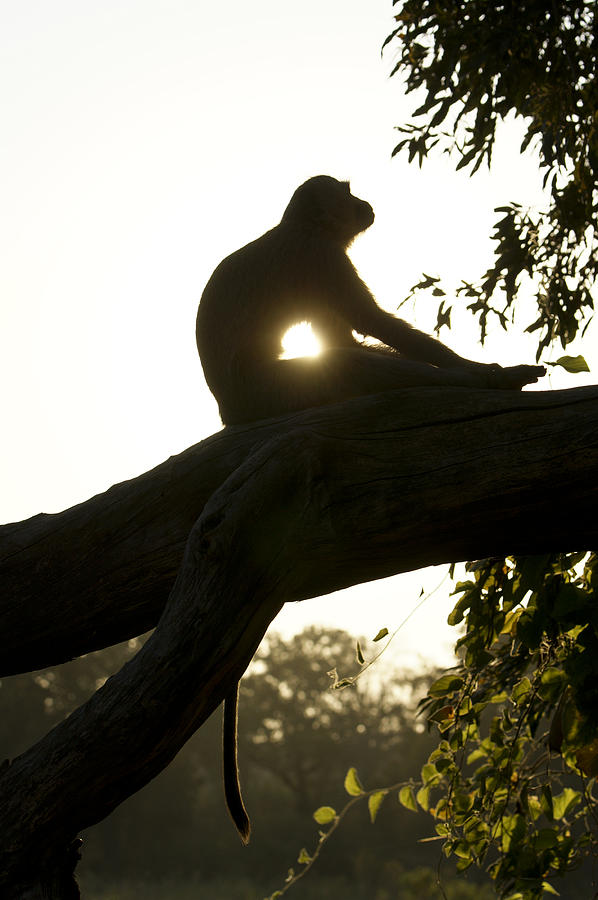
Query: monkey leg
<point x="267" y="389"/>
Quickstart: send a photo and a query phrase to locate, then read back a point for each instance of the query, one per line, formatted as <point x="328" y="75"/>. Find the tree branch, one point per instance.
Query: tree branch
<point x="448" y="474"/>
<point x="337" y="496"/>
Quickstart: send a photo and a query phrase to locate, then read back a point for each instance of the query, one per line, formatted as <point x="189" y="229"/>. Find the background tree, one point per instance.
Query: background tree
<point x="149" y="845"/>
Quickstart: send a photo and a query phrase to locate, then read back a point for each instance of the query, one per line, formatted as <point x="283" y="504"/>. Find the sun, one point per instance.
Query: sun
<point x="300" y="340"/>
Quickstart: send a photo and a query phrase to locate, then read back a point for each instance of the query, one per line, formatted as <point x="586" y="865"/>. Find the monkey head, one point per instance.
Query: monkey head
<point x="324" y="203"/>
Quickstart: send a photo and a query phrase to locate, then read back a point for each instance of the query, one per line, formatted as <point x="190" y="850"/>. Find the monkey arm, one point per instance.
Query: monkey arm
<point x="418" y="346"/>
<point x="415" y="344"/>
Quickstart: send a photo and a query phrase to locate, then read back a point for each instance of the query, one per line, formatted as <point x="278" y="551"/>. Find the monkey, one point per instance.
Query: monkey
<point x="299" y="270"/>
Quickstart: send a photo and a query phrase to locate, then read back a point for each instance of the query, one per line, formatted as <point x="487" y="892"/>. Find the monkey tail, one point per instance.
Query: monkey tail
<point x="232" y="788"/>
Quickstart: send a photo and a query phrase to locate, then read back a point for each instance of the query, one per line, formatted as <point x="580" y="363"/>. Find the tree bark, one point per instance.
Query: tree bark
<point x="323" y="499"/>
<point x="463" y="474"/>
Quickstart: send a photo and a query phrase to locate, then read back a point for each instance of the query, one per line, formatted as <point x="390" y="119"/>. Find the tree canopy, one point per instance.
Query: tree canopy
<point x="473" y="64"/>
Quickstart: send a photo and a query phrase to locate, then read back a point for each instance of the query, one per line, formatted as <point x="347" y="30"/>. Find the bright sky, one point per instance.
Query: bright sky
<point x="144" y="140"/>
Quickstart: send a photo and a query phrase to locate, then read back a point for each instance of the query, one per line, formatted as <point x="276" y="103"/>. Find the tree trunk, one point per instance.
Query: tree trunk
<point x="306" y="504"/>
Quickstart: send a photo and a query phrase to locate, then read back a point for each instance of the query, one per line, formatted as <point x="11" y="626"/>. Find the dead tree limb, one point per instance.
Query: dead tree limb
<point x="336" y="497"/>
<point x="473" y="473"/>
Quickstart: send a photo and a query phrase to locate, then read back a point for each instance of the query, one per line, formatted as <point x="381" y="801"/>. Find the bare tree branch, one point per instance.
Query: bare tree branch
<point x="322" y="500"/>
<point x="447" y="474"/>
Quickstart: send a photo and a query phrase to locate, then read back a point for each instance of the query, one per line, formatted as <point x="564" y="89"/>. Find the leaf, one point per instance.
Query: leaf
<point x="381" y="634"/>
<point x="352" y="783"/>
<point x="342" y="683"/>
<point x="513" y="829"/>
<point x="564" y="802"/>
<point x="587" y="759"/>
<point x="445" y="685"/>
<point x="572" y="364"/>
<point x="546" y="802"/>
<point x="374" y="804"/>
<point x="325" y="815"/>
<point x="430" y="775"/>
<point x="443" y="717"/>
<point x="407" y="798"/>
<point x="359" y="654"/>
<point x="304" y="857"/>
<point x="423" y="798"/>
<point x="521" y="691"/>
<point x="546" y="838"/>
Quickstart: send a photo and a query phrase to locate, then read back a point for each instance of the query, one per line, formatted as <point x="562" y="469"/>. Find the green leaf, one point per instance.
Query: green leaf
<point x="546" y="838"/>
<point x="462" y="850"/>
<point x="513" y="829"/>
<point x="423" y="798"/>
<point x="381" y="634"/>
<point x="374" y="804"/>
<point x="324" y="815"/>
<point x="304" y="857"/>
<point x="521" y="691"/>
<point x="552" y="683"/>
<point x="430" y="774"/>
<point x="546" y="802"/>
<point x="407" y="798"/>
<point x="352" y="783"/>
<point x="563" y="803"/>
<point x="572" y="364"/>
<point x="548" y="888"/>
<point x="445" y="685"/>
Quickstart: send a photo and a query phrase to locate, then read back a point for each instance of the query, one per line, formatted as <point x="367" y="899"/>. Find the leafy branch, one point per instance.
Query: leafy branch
<point x="326" y="815"/>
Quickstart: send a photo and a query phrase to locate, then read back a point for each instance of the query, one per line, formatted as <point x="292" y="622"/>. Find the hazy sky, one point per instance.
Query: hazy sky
<point x="142" y="141"/>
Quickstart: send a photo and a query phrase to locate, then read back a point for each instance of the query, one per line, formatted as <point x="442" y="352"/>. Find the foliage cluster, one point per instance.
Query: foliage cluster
<point x="512" y="783"/>
<point x="475" y="63"/>
<point x="518" y="756"/>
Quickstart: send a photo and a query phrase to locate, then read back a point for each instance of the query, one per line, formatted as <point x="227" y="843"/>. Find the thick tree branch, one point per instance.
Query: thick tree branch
<point x="448" y="475"/>
<point x="337" y="496"/>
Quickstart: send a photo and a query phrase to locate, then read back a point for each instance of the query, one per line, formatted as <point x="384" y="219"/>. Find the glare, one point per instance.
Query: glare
<point x="300" y="340"/>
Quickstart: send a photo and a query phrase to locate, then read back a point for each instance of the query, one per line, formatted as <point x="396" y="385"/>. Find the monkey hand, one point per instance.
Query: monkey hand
<point x="513" y="377"/>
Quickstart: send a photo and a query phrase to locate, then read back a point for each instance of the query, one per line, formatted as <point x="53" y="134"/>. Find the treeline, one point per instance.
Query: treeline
<point x="298" y="738"/>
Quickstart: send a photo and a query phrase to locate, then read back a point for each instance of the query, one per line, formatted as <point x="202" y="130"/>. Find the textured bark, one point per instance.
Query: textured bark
<point x="312" y="503"/>
<point x="446" y="475"/>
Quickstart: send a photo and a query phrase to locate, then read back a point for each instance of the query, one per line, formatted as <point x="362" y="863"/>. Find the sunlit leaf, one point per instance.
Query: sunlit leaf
<point x="572" y="364"/>
<point x="565" y="802"/>
<point x="445" y="685"/>
<point x="374" y="804"/>
<point x="423" y="798"/>
<point x="521" y="690"/>
<point x="324" y="815"/>
<point x="352" y="783"/>
<point x="407" y="798"/>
